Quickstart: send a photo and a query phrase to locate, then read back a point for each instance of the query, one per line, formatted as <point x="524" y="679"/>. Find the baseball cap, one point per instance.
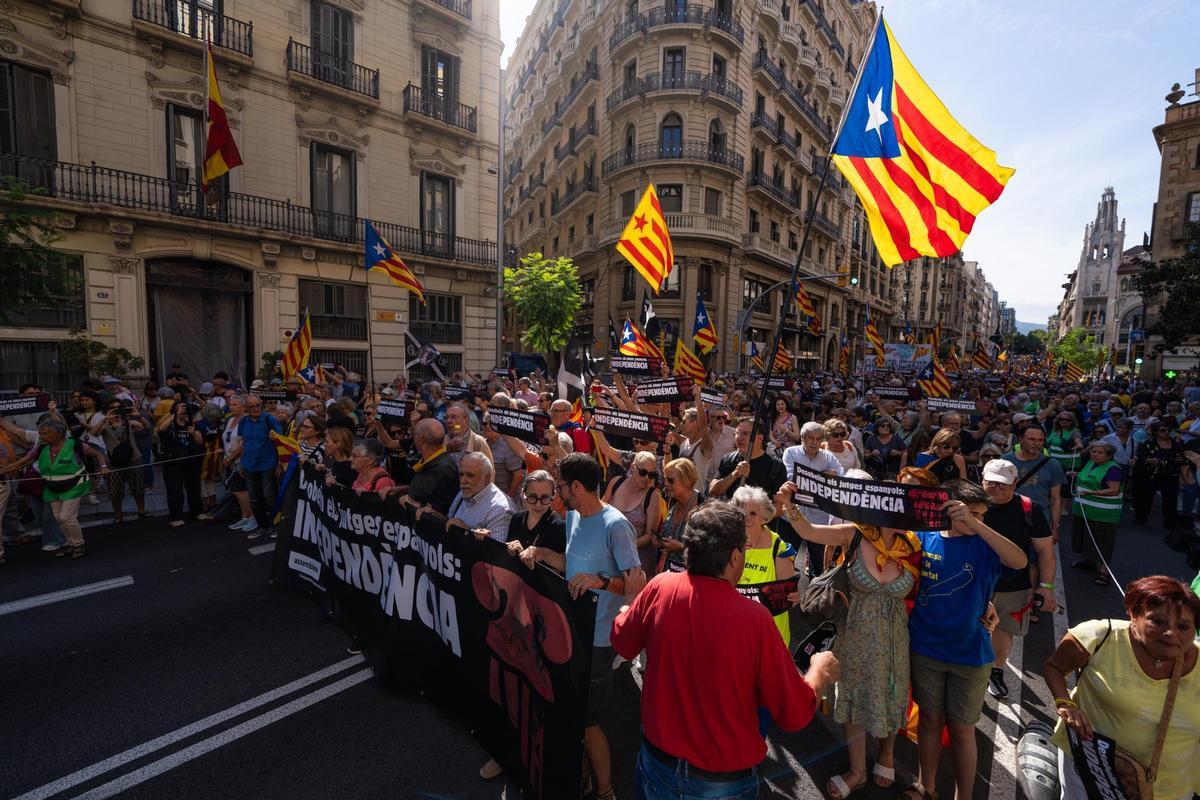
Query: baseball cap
<point x="205" y="389"/>
<point x="110" y="380"/>
<point x="387" y="391"/>
<point x="276" y="381"/>
<point x="1018" y="418"/>
<point x="1000" y="471"/>
<point x="257" y="383"/>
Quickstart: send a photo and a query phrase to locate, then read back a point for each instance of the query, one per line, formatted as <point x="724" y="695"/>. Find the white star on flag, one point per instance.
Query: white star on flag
<point x="875" y="116"/>
<point x="380" y="251"/>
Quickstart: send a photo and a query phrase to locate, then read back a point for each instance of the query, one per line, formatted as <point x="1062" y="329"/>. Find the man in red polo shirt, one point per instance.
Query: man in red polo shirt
<point x="704" y="640"/>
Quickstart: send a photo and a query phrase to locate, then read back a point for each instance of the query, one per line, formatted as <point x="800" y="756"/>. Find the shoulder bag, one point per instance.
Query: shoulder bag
<point x="122" y="454"/>
<point x="827" y="598"/>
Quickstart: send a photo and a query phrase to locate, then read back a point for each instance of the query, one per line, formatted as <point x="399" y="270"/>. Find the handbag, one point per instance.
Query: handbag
<point x="827" y="598"/>
<point x="122" y="454"/>
<point x="30" y="482"/>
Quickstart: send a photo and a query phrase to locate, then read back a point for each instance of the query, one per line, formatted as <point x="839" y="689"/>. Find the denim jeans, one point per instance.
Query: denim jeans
<point x="262" y="487"/>
<point x="51" y="533"/>
<point x="657" y="781"/>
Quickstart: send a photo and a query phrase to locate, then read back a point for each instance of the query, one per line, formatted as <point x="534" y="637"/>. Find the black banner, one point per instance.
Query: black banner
<point x="943" y="404"/>
<point x="392" y="410"/>
<point x="901" y="393"/>
<point x="455" y="392"/>
<point x="777" y="382"/>
<point x="1096" y="765"/>
<point x="631" y="424"/>
<point x="271" y="395"/>
<point x="889" y="505"/>
<point x="503" y="648"/>
<point x="502" y="374"/>
<point x="525" y="425"/>
<point x="635" y="365"/>
<point x="24" y="404"/>
<point x="772" y="594"/>
<point x="712" y="397"/>
<point x="665" y="390"/>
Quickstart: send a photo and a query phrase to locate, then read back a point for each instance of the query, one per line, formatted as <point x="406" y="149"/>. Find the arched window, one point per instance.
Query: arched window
<point x="671" y="138"/>
<point x="716" y="136"/>
<point x="630" y="139"/>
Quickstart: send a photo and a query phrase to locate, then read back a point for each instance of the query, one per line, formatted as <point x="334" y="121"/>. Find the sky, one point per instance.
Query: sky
<point x="1067" y="92"/>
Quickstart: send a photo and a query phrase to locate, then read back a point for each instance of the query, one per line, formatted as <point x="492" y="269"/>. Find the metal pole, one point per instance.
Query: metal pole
<point x="500" y="180"/>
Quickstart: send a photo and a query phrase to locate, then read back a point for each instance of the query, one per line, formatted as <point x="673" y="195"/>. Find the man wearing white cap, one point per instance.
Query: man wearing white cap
<point x="1017" y="519"/>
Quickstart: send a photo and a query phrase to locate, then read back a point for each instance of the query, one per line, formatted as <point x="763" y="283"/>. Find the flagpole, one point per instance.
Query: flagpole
<point x="789" y="295"/>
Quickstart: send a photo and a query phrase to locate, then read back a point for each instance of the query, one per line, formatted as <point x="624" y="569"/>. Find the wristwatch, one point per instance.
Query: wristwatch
<point x="605" y="579"/>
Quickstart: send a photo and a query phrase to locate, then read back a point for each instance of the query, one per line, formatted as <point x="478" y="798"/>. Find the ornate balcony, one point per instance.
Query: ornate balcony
<point x="693" y="83"/>
<point x="761" y="246"/>
<point x="320" y="71"/>
<point x="623" y="94"/>
<point x="675" y="14"/>
<point x="823" y="80"/>
<point x="767" y="126"/>
<point x="696" y="151"/>
<point x="826" y="226"/>
<point x="456" y="11"/>
<point x="809" y="62"/>
<point x="625" y="32"/>
<point x="762" y="63"/>
<point x="769" y="10"/>
<point x="448" y="114"/>
<point x="190" y="25"/>
<point x="585" y="186"/>
<point x="724" y="26"/>
<point x="688" y="226"/>
<point x="761" y="182"/>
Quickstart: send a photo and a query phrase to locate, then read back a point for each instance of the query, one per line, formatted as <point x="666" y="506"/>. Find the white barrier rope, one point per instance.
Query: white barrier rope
<point x="111" y="470"/>
<point x="1117" y="584"/>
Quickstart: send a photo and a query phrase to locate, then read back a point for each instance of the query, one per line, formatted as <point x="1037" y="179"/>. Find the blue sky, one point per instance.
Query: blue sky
<point x="1066" y="92"/>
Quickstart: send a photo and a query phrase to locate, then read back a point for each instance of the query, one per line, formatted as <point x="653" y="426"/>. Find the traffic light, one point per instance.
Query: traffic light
<point x="844" y="277"/>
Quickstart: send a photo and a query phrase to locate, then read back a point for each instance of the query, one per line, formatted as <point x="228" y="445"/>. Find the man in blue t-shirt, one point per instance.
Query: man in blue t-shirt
<point x="951" y="647"/>
<point x="259" y="463"/>
<point x="601" y="557"/>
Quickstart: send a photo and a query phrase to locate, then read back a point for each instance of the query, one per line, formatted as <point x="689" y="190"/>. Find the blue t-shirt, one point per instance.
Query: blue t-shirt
<point x="958" y="576"/>
<point x="1038" y="485"/>
<point x="258" y="451"/>
<point x="603" y="541"/>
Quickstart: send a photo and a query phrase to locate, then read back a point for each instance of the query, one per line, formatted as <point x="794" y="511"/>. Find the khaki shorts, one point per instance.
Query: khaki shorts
<point x="1007" y="603"/>
<point x="955" y="690"/>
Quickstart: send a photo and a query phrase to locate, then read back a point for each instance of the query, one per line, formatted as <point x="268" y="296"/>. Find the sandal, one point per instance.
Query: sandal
<point x="838" y="789"/>
<point x="78" y="552"/>
<point x="884" y="777"/>
<point x="1101" y="579"/>
<point x="917" y="792"/>
<point x="63" y="551"/>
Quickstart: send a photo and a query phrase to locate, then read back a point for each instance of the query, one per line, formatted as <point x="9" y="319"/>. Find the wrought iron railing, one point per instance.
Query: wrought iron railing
<point x="191" y="19"/>
<point x="768" y="124"/>
<point x="460" y="7"/>
<point x="675" y="14"/>
<point x="625" y="29"/>
<point x="443" y="109"/>
<point x="762" y="61"/>
<point x="726" y="23"/>
<point x="587" y="184"/>
<point x="101" y="186"/>
<point x="691" y="150"/>
<point x="826" y="225"/>
<point x="761" y="180"/>
<point x="626" y="91"/>
<point x="328" y="68"/>
<point x="352" y="328"/>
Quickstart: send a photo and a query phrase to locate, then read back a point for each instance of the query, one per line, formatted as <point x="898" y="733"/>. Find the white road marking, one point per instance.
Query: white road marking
<point x="180" y="757"/>
<point x="1002" y="778"/>
<point x="107" y="765"/>
<point x="258" y="550"/>
<point x="65" y="594"/>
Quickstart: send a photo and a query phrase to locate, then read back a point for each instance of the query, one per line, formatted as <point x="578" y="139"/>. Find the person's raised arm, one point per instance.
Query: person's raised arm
<point x="961" y="518"/>
<point x="832" y="535"/>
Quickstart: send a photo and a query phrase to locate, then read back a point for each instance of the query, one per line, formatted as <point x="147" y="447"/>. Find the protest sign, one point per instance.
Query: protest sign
<point x="777" y="382"/>
<point x="901" y="393"/>
<point x="396" y="410"/>
<point x="631" y="424"/>
<point x="665" y="390"/>
<point x="711" y="397"/>
<point x="1096" y="764"/>
<point x="890" y="505"/>
<point x="453" y="392"/>
<point x="942" y="404"/>
<point x="270" y="395"/>
<point x="501" y="373"/>
<point x="24" y="404"/>
<point x="772" y="594"/>
<point x="635" y="365"/>
<point x="524" y="425"/>
<point x="503" y="648"/>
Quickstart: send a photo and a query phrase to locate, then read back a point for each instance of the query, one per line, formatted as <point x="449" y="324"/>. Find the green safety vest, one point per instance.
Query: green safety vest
<point x="1058" y="445"/>
<point x="1100" y="509"/>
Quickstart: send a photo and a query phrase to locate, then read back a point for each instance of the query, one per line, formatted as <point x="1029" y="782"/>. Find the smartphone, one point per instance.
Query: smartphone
<point x="819" y="640"/>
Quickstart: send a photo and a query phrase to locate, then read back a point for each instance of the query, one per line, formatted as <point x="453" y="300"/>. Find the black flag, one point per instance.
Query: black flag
<point x="649" y="320"/>
<point x="614" y="341"/>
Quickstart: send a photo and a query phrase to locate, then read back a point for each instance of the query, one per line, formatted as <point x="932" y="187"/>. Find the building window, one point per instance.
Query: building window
<point x="571" y="234"/>
<point x="753" y="221"/>
<point x="439" y="320"/>
<point x="671" y="137"/>
<point x="627" y="284"/>
<point x="630" y="139"/>
<point x="27" y="122"/>
<point x="704" y="281"/>
<point x="712" y="201"/>
<point x="333" y="45"/>
<point x="716" y="137"/>
<point x="670" y="285"/>
<point x="752" y="289"/>
<point x="439" y="76"/>
<point x="437" y="214"/>
<point x="631" y="74"/>
<point x="1193" y="207"/>
<point x="719" y="67"/>
<point x="40" y="363"/>
<point x="670" y="197"/>
<point x="333" y="193"/>
<point x="590" y="223"/>
<point x="673" y="58"/>
<point x="588" y="287"/>
<point x="793" y="244"/>
<point x="46" y="294"/>
<point x="774" y="231"/>
<point x="626" y="204"/>
<point x="338" y="310"/>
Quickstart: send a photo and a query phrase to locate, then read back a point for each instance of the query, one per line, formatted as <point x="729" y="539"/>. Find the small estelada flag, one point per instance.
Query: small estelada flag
<point x="686" y="362"/>
<point x="646" y="242"/>
<point x="756" y="359"/>
<point x="379" y="256"/>
<point x="783" y="359"/>
<point x="220" y="150"/>
<point x="1072" y="372"/>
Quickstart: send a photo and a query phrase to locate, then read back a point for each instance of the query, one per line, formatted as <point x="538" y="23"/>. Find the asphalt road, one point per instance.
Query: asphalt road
<point x="183" y="673"/>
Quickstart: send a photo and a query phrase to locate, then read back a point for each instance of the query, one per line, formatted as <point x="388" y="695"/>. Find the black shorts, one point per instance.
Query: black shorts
<point x="600" y="689"/>
<point x="236" y="482"/>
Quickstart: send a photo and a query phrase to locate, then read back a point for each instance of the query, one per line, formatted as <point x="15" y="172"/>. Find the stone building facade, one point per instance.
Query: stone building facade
<point x="343" y="110"/>
<point x="1091" y="291"/>
<point x="728" y="107"/>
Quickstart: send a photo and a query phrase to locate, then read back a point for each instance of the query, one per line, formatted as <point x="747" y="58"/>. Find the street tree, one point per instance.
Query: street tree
<point x="546" y="296"/>
<point x="31" y="266"/>
<point x="1172" y="287"/>
<point x="96" y="358"/>
<point x="1081" y="349"/>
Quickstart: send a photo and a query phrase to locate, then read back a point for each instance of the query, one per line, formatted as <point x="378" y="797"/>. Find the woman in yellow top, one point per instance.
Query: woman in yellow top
<point x="1125" y="669"/>
<point x="768" y="557"/>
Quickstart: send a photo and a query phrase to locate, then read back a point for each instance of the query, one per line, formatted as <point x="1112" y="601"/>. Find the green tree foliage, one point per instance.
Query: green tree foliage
<point x="1026" y="344"/>
<point x="546" y="296"/>
<point x="29" y="263"/>
<point x="1081" y="349"/>
<point x="1173" y="287"/>
<point x="270" y="365"/>
<point x="97" y="358"/>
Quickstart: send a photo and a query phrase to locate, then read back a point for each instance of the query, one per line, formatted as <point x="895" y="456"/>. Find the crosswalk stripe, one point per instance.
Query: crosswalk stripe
<point x="259" y="549"/>
<point x="65" y="594"/>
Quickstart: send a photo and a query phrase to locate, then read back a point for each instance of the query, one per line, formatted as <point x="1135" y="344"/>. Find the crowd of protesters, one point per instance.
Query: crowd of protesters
<point x="663" y="531"/>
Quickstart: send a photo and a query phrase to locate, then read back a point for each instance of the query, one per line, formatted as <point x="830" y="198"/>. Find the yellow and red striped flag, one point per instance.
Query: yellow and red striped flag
<point x="933" y="380"/>
<point x="952" y="363"/>
<point x="577" y="411"/>
<point x="981" y="360"/>
<point x="807" y="308"/>
<point x="704" y="333"/>
<point x="935" y="338"/>
<point x="1072" y="372"/>
<point x="633" y="343"/>
<point x="646" y="242"/>
<point x="783" y="359"/>
<point x="285" y="447"/>
<point x="295" y="357"/>
<point x="220" y="150"/>
<point x="921" y="176"/>
<point x="875" y="339"/>
<point x="686" y="362"/>
<point x="756" y="359"/>
<point x="844" y="356"/>
<point x="380" y="256"/>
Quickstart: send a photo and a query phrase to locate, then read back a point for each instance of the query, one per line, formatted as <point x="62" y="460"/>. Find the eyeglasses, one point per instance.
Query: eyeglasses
<point x="538" y="498"/>
<point x="645" y="473"/>
<point x="561" y="488"/>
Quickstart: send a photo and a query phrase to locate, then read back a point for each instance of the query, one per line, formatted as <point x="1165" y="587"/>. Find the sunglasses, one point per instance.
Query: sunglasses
<point x="837" y="436"/>
<point x="538" y="498"/>
<point x="645" y="473"/>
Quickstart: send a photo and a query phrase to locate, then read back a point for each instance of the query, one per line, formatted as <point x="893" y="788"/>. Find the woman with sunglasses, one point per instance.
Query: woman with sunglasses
<point x="634" y="495"/>
<point x="837" y="441"/>
<point x="1156" y="469"/>
<point x="1065" y="442"/>
<point x="942" y="457"/>
<point x="538" y="533"/>
<point x="768" y="556"/>
<point x="681" y="477"/>
<point x="883" y="449"/>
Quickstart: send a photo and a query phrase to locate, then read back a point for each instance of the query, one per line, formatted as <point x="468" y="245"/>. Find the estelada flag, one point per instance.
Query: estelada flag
<point x="220" y="150"/>
<point x="704" y="332"/>
<point x="380" y="257"/>
<point x="686" y="362"/>
<point x="633" y="343"/>
<point x="756" y="359"/>
<point x="921" y="176"/>
<point x="295" y="357"/>
<point x="844" y="356"/>
<point x="875" y="339"/>
<point x="1072" y="372"/>
<point x="783" y="359"/>
<point x="646" y="242"/>
<point x="952" y="359"/>
<point x="935" y="338"/>
<point x="981" y="359"/>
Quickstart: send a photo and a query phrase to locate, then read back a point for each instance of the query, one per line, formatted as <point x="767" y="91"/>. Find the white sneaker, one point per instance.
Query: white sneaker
<point x="241" y="523"/>
<point x="248" y="525"/>
<point x="50" y="548"/>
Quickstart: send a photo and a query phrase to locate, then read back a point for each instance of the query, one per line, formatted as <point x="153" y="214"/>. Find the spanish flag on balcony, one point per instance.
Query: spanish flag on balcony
<point x="921" y="176"/>
<point x="382" y="258"/>
<point x="686" y="362"/>
<point x="646" y="242"/>
<point x="220" y="150"/>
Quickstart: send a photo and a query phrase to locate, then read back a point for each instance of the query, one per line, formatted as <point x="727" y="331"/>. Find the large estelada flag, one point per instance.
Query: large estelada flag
<point x="380" y="257"/>
<point x="220" y="150"/>
<point x="783" y="359"/>
<point x="687" y="363"/>
<point x="933" y="380"/>
<point x="633" y="343"/>
<point x="875" y="339"/>
<point x="1072" y="372"/>
<point x="646" y="242"/>
<point x="980" y="359"/>
<point x="704" y="332"/>
<point x="921" y="176"/>
<point x="756" y="359"/>
<point x="295" y="357"/>
<point x="935" y="338"/>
